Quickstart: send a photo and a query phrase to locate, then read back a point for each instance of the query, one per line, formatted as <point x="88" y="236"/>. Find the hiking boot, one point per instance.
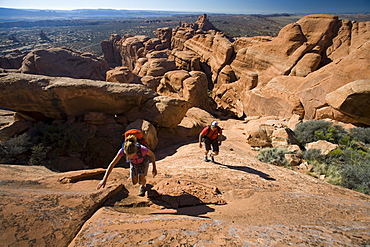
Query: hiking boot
<point x="206" y="159"/>
<point x="142" y="191"/>
<point x="212" y="159"/>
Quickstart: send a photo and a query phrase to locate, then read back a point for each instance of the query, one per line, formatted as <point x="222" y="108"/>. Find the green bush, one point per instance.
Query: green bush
<point x="274" y="156"/>
<point x="349" y="164"/>
<point x="314" y="155"/>
<point x="14" y="150"/>
<point x="312" y="131"/>
<point x="360" y="134"/>
<point x="64" y="138"/>
<point x="34" y="146"/>
<point x="39" y="155"/>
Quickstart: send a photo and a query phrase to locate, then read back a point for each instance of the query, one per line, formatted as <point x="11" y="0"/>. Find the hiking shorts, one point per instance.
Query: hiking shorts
<point x="208" y="143"/>
<point x="139" y="169"/>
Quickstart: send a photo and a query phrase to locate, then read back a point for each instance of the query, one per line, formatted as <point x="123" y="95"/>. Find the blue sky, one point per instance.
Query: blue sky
<point x="215" y="6"/>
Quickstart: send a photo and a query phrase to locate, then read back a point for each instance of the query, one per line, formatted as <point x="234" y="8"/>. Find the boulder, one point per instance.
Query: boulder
<point x="324" y="146"/>
<point x="131" y="49"/>
<point x="194" y="122"/>
<point x="157" y="67"/>
<point x="180" y="35"/>
<point x="292" y="73"/>
<point x="151" y="82"/>
<point x="352" y="99"/>
<point x="312" y="92"/>
<point x="166" y="111"/>
<point x="189" y="86"/>
<point x="59" y="97"/>
<point x="120" y="74"/>
<point x="186" y="60"/>
<point x="64" y="62"/>
<point x="149" y="132"/>
<point x="165" y="35"/>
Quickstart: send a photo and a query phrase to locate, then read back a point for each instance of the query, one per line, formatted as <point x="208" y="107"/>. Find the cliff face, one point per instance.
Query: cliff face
<point x="284" y="75"/>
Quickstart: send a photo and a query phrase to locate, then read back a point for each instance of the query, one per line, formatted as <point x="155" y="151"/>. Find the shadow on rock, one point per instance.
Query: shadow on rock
<point x="172" y="149"/>
<point x="249" y="170"/>
<point x="182" y="194"/>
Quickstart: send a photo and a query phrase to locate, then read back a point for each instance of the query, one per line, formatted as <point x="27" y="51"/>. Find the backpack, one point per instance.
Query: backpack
<point x="137" y="133"/>
<point x="138" y="152"/>
<point x="209" y="130"/>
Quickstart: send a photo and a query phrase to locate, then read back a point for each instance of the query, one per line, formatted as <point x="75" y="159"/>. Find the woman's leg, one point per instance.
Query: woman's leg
<point x="142" y="180"/>
<point x="134" y="174"/>
<point x="134" y="180"/>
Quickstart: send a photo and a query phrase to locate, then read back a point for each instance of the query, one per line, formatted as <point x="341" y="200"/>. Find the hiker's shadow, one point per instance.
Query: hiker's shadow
<point x="249" y="170"/>
<point x="184" y="204"/>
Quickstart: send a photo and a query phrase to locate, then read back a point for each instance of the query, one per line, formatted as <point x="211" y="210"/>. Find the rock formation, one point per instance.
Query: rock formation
<point x="189" y="86"/>
<point x="352" y="99"/>
<point x="12" y="60"/>
<point x="64" y="62"/>
<point x="60" y="97"/>
<point x="262" y="76"/>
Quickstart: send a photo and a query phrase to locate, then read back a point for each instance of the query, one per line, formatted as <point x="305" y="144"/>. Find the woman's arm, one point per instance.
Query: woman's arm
<point x="108" y="171"/>
<point x="152" y="159"/>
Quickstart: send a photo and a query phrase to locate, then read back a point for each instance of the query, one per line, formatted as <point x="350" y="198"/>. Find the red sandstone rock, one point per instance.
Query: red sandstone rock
<point x="64" y="62"/>
<point x="120" y="74"/>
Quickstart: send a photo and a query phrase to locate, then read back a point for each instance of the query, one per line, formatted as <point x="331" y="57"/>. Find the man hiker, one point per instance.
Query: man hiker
<point x="212" y="138"/>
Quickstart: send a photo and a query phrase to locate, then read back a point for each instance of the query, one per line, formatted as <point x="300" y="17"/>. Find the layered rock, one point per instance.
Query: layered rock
<point x="189" y="86"/>
<point x="214" y="50"/>
<point x="59" y="97"/>
<point x="64" y="62"/>
<point x="12" y="60"/>
<point x="312" y="93"/>
<point x="110" y="50"/>
<point x="186" y="60"/>
<point x="292" y="73"/>
<point x="120" y="74"/>
<point x="352" y="99"/>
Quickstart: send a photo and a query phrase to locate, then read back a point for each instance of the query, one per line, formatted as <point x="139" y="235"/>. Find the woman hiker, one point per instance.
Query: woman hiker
<point x="212" y="137"/>
<point x="137" y="155"/>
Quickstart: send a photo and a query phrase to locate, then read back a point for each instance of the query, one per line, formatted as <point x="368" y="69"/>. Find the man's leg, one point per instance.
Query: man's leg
<point x="207" y="145"/>
<point x="215" y="150"/>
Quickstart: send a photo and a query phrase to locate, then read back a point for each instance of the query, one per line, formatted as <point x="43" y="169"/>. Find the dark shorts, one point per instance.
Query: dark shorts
<point x="141" y="169"/>
<point x="211" y="144"/>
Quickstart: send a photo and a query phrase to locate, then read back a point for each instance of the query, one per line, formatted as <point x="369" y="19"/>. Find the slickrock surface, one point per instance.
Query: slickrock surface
<point x="237" y="201"/>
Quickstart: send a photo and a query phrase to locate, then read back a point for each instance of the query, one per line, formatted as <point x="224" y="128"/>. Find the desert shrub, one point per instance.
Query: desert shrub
<point x="33" y="146"/>
<point x="313" y="155"/>
<point x="347" y="167"/>
<point x="334" y="174"/>
<point x="349" y="164"/>
<point x="360" y="134"/>
<point x="64" y="138"/>
<point x="274" y="156"/>
<point x="38" y="155"/>
<point x="312" y="131"/>
<point x="14" y="149"/>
